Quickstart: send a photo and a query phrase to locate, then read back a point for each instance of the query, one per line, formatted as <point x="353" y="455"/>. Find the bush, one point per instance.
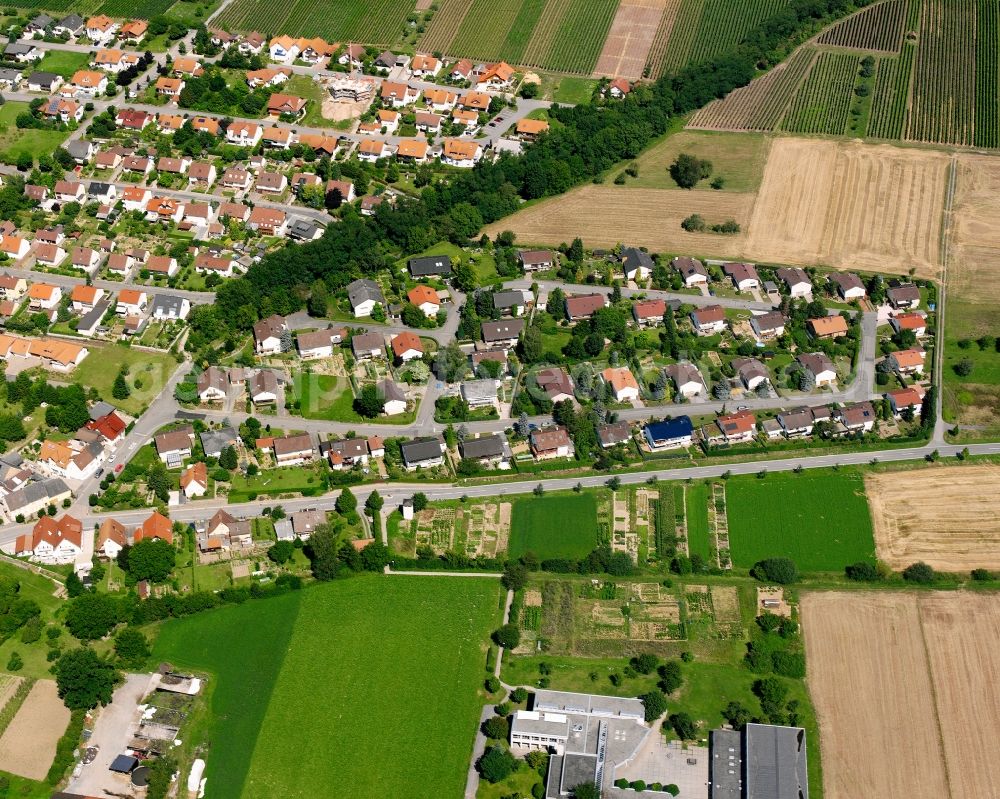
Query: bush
<point x="981" y="575"/>
<point x="775" y="570"/>
<point x="919" y="573"/>
<point x="519" y="695"/>
<point x="684" y="726"/>
<point x="492" y="684"/>
<point x="655" y="704"/>
<point x="496" y="727"/>
<point x="862" y="572"/>
<point x="672" y="789"/>
<point x="508" y="636"/>
<point x="496" y="764"/>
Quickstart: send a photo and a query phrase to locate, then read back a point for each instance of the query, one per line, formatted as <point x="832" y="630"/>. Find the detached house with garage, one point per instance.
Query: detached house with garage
<point x="174" y="446"/>
<point x="821" y="368"/>
<point x="744" y="276"/>
<point x="423" y="453"/>
<point x="691" y="270"/>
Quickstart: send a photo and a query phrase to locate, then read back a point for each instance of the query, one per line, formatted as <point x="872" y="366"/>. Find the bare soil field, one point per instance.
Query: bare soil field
<point x="605" y="215"/>
<point x="630" y="37"/>
<point x="28" y="744"/>
<point x="847" y="204"/>
<point x="921" y="670"/>
<point x="948" y="517"/>
<point x="974" y="265"/>
<point x="872" y="690"/>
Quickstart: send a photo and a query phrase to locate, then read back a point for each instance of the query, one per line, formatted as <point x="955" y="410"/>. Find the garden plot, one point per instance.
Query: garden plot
<point x="624" y="536"/>
<point x="644" y="517"/>
<point x="487" y="529"/>
<point x="436" y="528"/>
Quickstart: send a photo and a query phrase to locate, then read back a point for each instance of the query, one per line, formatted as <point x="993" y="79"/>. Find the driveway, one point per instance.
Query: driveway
<point x="113" y="730"/>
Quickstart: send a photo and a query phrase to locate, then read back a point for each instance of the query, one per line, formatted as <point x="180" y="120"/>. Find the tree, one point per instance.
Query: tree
<point x="508" y="636"/>
<point x="374" y="503"/>
<point x="158" y="481"/>
<point x="586" y="790"/>
<point x="775" y="570"/>
<point x="370" y="402"/>
<point x="85" y="680"/>
<point x="919" y="573"/>
<point x="684" y="726"/>
<point x="515" y="576"/>
<point x="74" y="585"/>
<point x="575" y="251"/>
<point x="964" y="367"/>
<point x="496" y="764"/>
<point x="322" y="551"/>
<point x="737" y="715"/>
<point x="496" y="727"/>
<point x="655" y="704"/>
<point x="346" y="503"/>
<point x="281" y="552"/>
<point x="687" y="170"/>
<point x="695" y="223"/>
<point x="228" y="459"/>
<point x="670" y="677"/>
<point x="92" y="616"/>
<point x="132" y="648"/>
<point x="419" y="501"/>
<point x="151" y="559"/>
<point x="120" y="389"/>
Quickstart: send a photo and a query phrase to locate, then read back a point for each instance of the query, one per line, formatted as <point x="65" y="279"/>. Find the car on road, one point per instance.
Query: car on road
<point x="119" y="467"/>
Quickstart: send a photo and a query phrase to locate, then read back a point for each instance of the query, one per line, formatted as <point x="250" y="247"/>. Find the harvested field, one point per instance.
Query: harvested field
<point x="973" y="271"/>
<point x="631" y="36"/>
<point x="920" y="668"/>
<point x="948" y="517"/>
<point x="28" y="744"/>
<point x="605" y="215"/>
<point x="847" y="204"/>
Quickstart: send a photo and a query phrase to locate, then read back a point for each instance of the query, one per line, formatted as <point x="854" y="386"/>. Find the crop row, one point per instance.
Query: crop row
<point x="724" y="23"/>
<point x="658" y="49"/>
<point x="823" y="102"/>
<point x="520" y="31"/>
<point x="484" y="29"/>
<point x="891" y="95"/>
<point x="879" y="27"/>
<point x="683" y="34"/>
<point x="944" y="86"/>
<point x="987" y="74"/>
<point x="570" y="35"/>
<point x="762" y="104"/>
<point x="374" y="22"/>
<point x="144" y="9"/>
<point x="444" y="25"/>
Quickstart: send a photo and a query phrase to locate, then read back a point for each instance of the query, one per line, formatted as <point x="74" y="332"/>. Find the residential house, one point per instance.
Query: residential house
<point x="463" y="153"/>
<point x="52" y="541"/>
<point x="491" y="451"/>
<point x="550" y="442"/>
<point x="910" y="398"/>
<point x="271" y="182"/>
<point x="512" y="302"/>
<point x="530" y="129"/>
<point x="555" y="383"/>
<point x="480" y="393"/>
<point x="796" y="281"/>
<point x="692" y="271"/>
<point x="162" y="265"/>
<point x="907" y="362"/>
<point x="636" y="264"/>
<point x="131" y="302"/>
<point x="496" y="77"/>
<point x="263" y="387"/>
<point x="649" y="312"/>
<point x="687" y="380"/>
<point x="169" y="306"/>
<point x="71" y="25"/>
<point x="406" y="346"/>
<point x="475" y="101"/>
<point x="744" y="276"/>
<point x="427" y="122"/>
<point x="319" y="343"/>
<point x="134" y="32"/>
<point x="169" y="87"/>
<point x="22" y="52"/>
<point x="364" y="295"/>
<point x="268" y="221"/>
<point x="669" y="434"/>
<point x="346" y="453"/>
<point x="85" y="297"/>
<point x="207" y="263"/>
<point x="368" y="345"/>
<point x="111" y="539"/>
<point x="393" y="397"/>
<point x="736" y="428"/>
<point x="461" y="69"/>
<point x="440" y="101"/>
<point x="305" y="522"/>
<point x="398" y="95"/>
<point x="503" y="333"/>
<point x="751" y="372"/>
<point x="371" y="150"/>
<point x="212" y="385"/>
<point x="821" y="368"/>
<point x="859" y="417"/>
<point x="194" y="480"/>
<point x="425" y="298"/>
<point x="101" y="29"/>
<point x="267" y="77"/>
<point x="293" y="450"/>
<point x="797" y="422"/>
<point x="202" y="172"/>
<point x="46" y="82"/>
<point x="187" y="66"/>
<point x="828" y="327"/>
<point x="618" y="88"/>
<point x="536" y="260"/>
<point x="849" y="285"/>
<point x="271" y="335"/>
<point x="236" y="177"/>
<point x="50" y="255"/>
<point x="175" y="445"/>
<point x="910" y="321"/>
<point x="903" y="297"/>
<point x="43" y="296"/>
<point x="425" y="66"/>
<point x="412" y="151"/>
<point x="244" y="134"/>
<point x="614" y="434"/>
<point x="114" y="61"/>
<point x="285" y="104"/>
<point x="623" y="383"/>
<point x="71" y="460"/>
<point x="213" y="442"/>
<point x="156" y="528"/>
<point x="433" y="265"/>
<point x="709" y="320"/>
<point x="768" y="326"/>
<point x="583" y="306"/>
<point x="68" y="191"/>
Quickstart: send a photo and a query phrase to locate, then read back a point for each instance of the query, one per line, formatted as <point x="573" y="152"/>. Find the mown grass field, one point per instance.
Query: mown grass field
<point x="696" y="513"/>
<point x="311" y="687"/>
<point x="14" y="141"/>
<point x="737" y="158"/>
<point x="820" y="520"/>
<point x="39" y="589"/>
<point x="558" y="526"/>
<point x="63" y="62"/>
<point x="148" y="372"/>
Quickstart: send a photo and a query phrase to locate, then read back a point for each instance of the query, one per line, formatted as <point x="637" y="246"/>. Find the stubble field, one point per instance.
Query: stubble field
<point x="919" y="669"/>
<point x="28" y="745"/>
<point x="630" y="38"/>
<point x="604" y="215"/>
<point x="850" y="205"/>
<point x="948" y="517"/>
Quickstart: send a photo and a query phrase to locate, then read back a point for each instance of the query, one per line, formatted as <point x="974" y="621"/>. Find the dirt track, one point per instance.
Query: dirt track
<point x="630" y="37"/>
<point x="904" y="690"/>
<point x="847" y="204"/>
<point x="948" y="517"/>
<point x="28" y="745"/>
<point x="603" y="216"/>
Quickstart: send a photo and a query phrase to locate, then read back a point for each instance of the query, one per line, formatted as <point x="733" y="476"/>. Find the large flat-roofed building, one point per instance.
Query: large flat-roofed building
<point x="588" y="735"/>
<point x="763" y="762"/>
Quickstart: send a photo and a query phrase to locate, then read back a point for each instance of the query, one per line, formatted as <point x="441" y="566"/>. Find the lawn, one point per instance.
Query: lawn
<point x="557" y="526"/>
<point x="288" y="480"/>
<point x="305" y="87"/>
<point x="820" y="519"/>
<point x="333" y="674"/>
<point x="324" y="397"/>
<point x="63" y="62"/>
<point x="574" y="91"/>
<point x="738" y="158"/>
<point x="14" y="141"/>
<point x="696" y="513"/>
<point x="148" y="372"/>
<point x="38" y="588"/>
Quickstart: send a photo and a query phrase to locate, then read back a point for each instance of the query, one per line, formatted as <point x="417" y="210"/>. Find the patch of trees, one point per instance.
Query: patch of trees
<point x="775" y="570"/>
<point x="84" y="679"/>
<point x="601" y="561"/>
<point x="67" y="405"/>
<point x="331" y="557"/>
<point x="587" y="141"/>
<point x="212" y="92"/>
<point x="775" y="647"/>
<point x="151" y="559"/>
<point x="16" y="612"/>
<point x="687" y="170"/>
